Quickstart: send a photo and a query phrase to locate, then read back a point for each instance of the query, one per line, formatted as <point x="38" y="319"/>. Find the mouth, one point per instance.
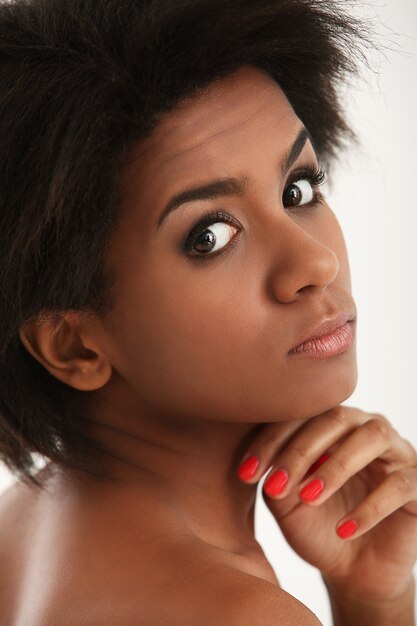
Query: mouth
<point x="330" y="337"/>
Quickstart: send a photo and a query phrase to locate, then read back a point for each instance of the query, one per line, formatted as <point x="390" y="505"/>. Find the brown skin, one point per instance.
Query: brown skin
<point x="193" y="360"/>
<point x="369" y="476"/>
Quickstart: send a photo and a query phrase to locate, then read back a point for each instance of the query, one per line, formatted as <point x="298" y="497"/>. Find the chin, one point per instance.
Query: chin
<point x="321" y="390"/>
<point x="337" y="388"/>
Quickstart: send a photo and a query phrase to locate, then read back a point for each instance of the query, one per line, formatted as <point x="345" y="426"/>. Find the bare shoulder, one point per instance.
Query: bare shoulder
<point x="14" y="519"/>
<point x="180" y="585"/>
<point x="220" y="592"/>
<point x="260" y="602"/>
<point x="214" y="594"/>
<point x="224" y="596"/>
<point x="148" y="580"/>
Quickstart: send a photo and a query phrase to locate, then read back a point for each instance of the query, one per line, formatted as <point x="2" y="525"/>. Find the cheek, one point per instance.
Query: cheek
<point x="185" y="342"/>
<point x="195" y="328"/>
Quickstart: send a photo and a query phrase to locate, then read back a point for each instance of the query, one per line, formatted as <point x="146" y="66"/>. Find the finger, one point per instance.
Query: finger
<point x="271" y="439"/>
<point x="373" y="440"/>
<point x="397" y="490"/>
<point x="315" y="439"/>
<point x="324" y="457"/>
<point x="314" y="436"/>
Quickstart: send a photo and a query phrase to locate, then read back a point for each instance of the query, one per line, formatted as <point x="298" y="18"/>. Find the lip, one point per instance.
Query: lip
<point x="325" y="327"/>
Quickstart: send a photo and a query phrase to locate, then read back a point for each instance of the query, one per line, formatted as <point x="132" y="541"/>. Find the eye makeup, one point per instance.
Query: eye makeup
<point x="315" y="176"/>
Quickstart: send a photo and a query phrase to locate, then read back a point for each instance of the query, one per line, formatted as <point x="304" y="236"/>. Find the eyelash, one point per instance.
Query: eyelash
<point x="315" y="176"/>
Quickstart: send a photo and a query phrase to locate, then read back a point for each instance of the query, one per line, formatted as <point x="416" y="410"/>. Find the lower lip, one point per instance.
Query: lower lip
<point x="328" y="345"/>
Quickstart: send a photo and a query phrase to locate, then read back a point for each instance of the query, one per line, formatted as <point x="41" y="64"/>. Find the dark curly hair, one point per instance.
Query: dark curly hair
<point x="81" y="81"/>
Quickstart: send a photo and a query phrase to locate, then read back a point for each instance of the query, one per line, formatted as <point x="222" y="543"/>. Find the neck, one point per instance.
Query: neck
<point x="190" y="469"/>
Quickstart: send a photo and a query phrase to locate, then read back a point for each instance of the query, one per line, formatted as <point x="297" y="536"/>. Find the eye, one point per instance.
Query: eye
<point x="298" y="193"/>
<point x="300" y="189"/>
<point x="210" y="236"/>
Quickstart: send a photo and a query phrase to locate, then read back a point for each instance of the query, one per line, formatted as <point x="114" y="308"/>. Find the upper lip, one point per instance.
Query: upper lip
<point x="326" y="326"/>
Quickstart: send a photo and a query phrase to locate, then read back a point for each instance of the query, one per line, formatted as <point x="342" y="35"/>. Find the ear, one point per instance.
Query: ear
<point x="67" y="352"/>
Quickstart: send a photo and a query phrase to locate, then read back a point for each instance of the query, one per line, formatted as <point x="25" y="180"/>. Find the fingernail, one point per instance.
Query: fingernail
<point x="276" y="482"/>
<point x="248" y="468"/>
<point x="318" y="463"/>
<point x="347" y="528"/>
<point x="312" y="490"/>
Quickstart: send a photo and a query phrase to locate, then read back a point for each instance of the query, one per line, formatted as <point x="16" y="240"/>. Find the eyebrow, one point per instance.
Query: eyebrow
<point x="231" y="186"/>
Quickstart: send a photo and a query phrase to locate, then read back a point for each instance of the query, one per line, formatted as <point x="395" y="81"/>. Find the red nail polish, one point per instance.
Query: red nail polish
<point x="347" y="528"/>
<point x="248" y="468"/>
<point x="312" y="490"/>
<point x="318" y="463"/>
<point x="276" y="482"/>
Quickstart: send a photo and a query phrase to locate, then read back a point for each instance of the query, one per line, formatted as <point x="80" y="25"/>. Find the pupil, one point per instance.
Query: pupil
<point x="294" y="194"/>
<point x="205" y="240"/>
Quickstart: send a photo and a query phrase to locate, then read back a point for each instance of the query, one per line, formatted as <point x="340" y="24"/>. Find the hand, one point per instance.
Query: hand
<point x="362" y="470"/>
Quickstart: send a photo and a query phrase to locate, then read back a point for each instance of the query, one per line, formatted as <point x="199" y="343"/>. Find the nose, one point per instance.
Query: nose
<point x="304" y="263"/>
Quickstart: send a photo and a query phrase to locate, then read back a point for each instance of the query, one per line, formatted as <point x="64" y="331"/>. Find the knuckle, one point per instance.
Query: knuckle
<point x="376" y="507"/>
<point x="380" y="417"/>
<point x="380" y="428"/>
<point x="341" y="464"/>
<point x="340" y="416"/>
<point x="338" y="411"/>
<point x="302" y="451"/>
<point x="403" y="482"/>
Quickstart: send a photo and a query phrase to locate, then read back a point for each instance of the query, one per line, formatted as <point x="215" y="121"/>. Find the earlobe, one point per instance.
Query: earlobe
<point x="58" y="347"/>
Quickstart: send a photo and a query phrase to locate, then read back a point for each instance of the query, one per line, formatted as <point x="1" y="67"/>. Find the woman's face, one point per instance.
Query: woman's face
<point x="200" y="335"/>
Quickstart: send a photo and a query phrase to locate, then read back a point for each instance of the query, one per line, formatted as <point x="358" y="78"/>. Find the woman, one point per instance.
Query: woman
<point x="177" y="319"/>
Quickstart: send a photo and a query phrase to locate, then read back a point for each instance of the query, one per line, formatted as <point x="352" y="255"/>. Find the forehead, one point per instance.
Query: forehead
<point x="225" y="105"/>
<point x="198" y="137"/>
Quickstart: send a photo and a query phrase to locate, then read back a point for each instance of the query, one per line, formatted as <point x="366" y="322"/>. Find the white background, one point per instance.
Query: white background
<point x="374" y="196"/>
